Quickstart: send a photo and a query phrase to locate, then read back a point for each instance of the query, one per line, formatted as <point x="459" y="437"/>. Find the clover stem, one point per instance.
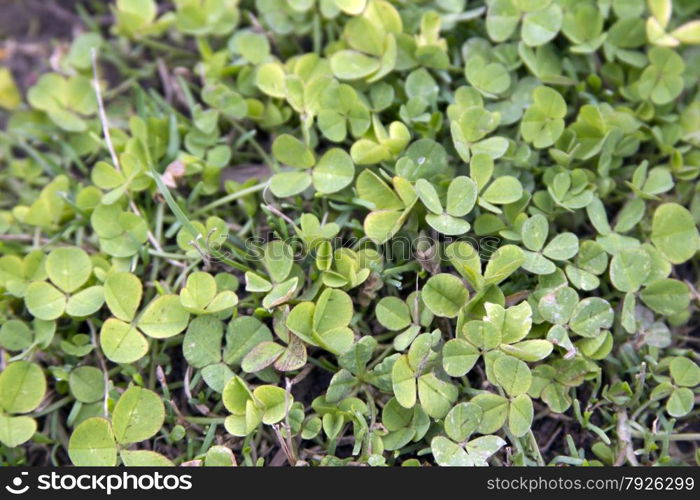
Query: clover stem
<point x="258" y="148"/>
<point x="102" y="112"/>
<point x="689" y="436"/>
<point x="204" y="420"/>
<point x="230" y="197"/>
<point x="54" y="406"/>
<point x="536" y="448"/>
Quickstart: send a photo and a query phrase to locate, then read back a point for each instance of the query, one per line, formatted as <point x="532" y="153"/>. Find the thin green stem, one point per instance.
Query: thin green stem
<point x="230" y="197"/>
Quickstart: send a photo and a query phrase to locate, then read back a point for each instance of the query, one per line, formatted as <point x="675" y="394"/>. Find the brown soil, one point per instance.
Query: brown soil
<point x="33" y="32"/>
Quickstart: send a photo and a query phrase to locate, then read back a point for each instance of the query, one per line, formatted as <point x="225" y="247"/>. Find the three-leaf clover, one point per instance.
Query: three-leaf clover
<point x="334" y="171"/>
<point x="685" y="374"/>
<point x="541" y="20"/>
<point x="68" y="269"/>
<point x="200" y="295"/>
<point x="460" y="423"/>
<point x="414" y="379"/>
<point x="137" y="416"/>
<point x="324" y="323"/>
<point x="543" y="121"/>
<point x="390" y="207"/>
<point x="122" y="336"/>
<point x="461" y="198"/>
<point x="278" y="261"/>
<point x="265" y="404"/>
<point x="534" y="233"/>
<point x="67" y="101"/>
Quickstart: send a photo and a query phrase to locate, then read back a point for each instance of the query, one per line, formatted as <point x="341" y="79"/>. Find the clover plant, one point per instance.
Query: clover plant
<point x="354" y="232"/>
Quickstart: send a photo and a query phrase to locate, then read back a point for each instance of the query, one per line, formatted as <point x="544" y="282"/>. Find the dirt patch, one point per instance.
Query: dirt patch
<point x="33" y="33"/>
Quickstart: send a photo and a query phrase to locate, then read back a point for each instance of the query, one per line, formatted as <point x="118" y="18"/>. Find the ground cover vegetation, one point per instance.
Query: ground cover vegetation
<point x="353" y="232"/>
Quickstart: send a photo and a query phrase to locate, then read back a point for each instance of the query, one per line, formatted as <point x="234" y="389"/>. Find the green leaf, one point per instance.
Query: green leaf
<point x="300" y="320"/>
<point x="466" y="261"/>
<point x="449" y="454"/>
<point x="501" y="20"/>
<point x="219" y="456"/>
<point x="562" y="247"/>
<point x="370" y="187"/>
<point x="557" y="397"/>
<point x="164" y="317"/>
<point x="275" y="402"/>
<point x="629" y="269"/>
<point x="22" y="387"/>
<point x="537" y="263"/>
<point x="491" y="78"/>
<point x="463" y="420"/>
<point x="122" y="342"/>
<point x="428" y="196"/>
<point x="199" y="291"/>
<point x="482" y="334"/>
<point x="503" y="190"/>
<point x="534" y="232"/>
<point x="666" y="296"/>
<point x="333" y="172"/>
<point x="447" y="224"/>
<point x="482" y="448"/>
<point x="444" y="294"/>
<point x="86" y="302"/>
<point x="590" y="316"/>
<point x="333" y="310"/>
<point x="291" y="151"/>
<point x="540" y="26"/>
<point x="44" y="301"/>
<point x="236" y="396"/>
<point x="436" y="396"/>
<point x="558" y="305"/>
<point x="684" y="372"/>
<point x="92" y="444"/>
<point x="261" y="356"/>
<point x="15" y="431"/>
<point x="123" y="292"/>
<point x="517" y="322"/>
<point x="512" y="375"/>
<point x="202" y="343"/>
<point x="253" y="46"/>
<point x="144" y="458"/>
<point x="353" y="65"/>
<point x="495" y="411"/>
<point x="674" y="233"/>
<point x="138" y="415"/>
<point x="280" y="293"/>
<point x="520" y="415"/>
<point x="392" y="313"/>
<point x="543" y="123"/>
<point x="461" y="196"/>
<point x="459" y="357"/>
<point x="278" y="260"/>
<point x="87" y="384"/>
<point x="15" y="335"/>
<point x="504" y="262"/>
<point x="687" y="33"/>
<point x="681" y="402"/>
<point x="68" y="268"/>
<point x="270" y="79"/>
<point x="242" y="335"/>
<point x="10" y="96"/>
<point x="403" y="380"/>
<point x="661" y="81"/>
